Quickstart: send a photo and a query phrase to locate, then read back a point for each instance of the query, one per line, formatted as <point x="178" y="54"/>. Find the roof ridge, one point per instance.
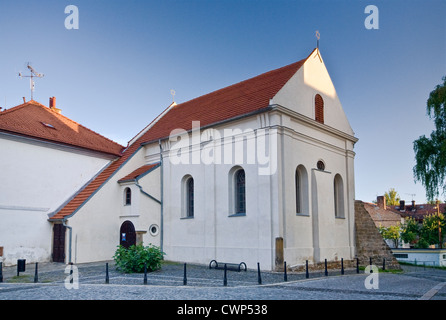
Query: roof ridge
<point x="264" y="74"/>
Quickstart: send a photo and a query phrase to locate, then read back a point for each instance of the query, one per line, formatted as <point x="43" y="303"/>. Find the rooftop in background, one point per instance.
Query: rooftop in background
<point x="34" y="120"/>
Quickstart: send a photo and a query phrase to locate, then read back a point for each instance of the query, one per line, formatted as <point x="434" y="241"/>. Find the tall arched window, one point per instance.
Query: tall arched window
<point x="190" y="197"/>
<point x="127" y="196"/>
<point x="319" y="108"/>
<point x="240" y="192"/>
<point x="301" y="184"/>
<point x="338" y="187"/>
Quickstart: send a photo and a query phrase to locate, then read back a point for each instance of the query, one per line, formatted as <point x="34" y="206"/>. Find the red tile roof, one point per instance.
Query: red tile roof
<point x="138" y="172"/>
<point x="32" y="119"/>
<point x="246" y="97"/>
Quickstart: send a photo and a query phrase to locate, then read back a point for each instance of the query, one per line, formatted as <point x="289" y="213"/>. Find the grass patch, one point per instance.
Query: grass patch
<point x="21" y="279"/>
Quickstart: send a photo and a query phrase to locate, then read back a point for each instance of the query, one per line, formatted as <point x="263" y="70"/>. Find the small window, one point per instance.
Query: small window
<point x="240" y="192"/>
<point x="319" y="108"/>
<point x="190" y="197"/>
<point x="128" y="196"/>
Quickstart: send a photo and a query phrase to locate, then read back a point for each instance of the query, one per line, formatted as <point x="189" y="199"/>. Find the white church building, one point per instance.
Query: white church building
<point x="261" y="171"/>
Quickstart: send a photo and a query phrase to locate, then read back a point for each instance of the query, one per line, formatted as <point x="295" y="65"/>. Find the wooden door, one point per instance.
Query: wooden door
<point x="127" y="234"/>
<point x="59" y="243"/>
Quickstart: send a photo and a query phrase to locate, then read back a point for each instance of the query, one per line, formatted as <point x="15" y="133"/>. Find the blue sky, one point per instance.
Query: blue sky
<point x="114" y="74"/>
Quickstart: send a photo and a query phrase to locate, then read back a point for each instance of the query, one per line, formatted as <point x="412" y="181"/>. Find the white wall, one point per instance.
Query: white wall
<point x="96" y="224"/>
<point x="36" y="178"/>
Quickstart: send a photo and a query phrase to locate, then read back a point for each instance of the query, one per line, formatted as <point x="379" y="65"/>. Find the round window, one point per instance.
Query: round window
<point x="153" y="229"/>
<point x="320" y="165"/>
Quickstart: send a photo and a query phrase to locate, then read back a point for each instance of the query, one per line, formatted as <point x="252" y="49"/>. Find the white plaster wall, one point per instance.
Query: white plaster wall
<point x="36" y="178"/>
<point x="96" y="224"/>
<point x="299" y="92"/>
<point x="213" y="233"/>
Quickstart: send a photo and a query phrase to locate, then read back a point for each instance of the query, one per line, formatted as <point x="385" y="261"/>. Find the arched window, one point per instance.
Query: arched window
<point x="319" y="108"/>
<point x="301" y="184"/>
<point x="187" y="197"/>
<point x="190" y="197"/>
<point x="127" y="196"/>
<point x="240" y="192"/>
<point x="338" y="187"/>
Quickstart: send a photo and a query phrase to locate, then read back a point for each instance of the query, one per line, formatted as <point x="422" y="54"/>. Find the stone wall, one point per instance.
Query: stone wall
<point x="369" y="242"/>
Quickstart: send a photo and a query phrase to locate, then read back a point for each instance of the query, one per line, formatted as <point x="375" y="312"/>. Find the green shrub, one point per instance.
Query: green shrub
<point x="134" y="258"/>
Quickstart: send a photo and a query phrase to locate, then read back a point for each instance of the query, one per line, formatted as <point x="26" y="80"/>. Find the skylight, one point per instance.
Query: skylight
<point x="48" y="125"/>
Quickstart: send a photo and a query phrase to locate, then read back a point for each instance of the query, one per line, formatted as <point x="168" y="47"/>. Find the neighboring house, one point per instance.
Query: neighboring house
<point x="259" y="171"/>
<point x="417" y="211"/>
<point x="44" y="159"/>
<point x="383" y="216"/>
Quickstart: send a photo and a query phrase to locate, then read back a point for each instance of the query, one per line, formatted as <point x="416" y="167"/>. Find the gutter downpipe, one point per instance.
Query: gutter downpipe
<point x="64" y="223"/>
<point x="162" y="197"/>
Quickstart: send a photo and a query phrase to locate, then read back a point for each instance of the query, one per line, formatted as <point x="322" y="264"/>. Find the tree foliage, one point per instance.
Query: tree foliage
<point x="430" y="152"/>
<point x="392" y="197"/>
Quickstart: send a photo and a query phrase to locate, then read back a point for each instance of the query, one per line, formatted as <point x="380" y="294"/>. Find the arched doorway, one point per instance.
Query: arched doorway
<point x="127" y="234"/>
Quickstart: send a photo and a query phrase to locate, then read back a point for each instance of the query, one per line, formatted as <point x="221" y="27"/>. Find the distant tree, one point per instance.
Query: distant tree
<point x="430" y="153"/>
<point x="410" y="230"/>
<point x="392" y="197"/>
<point x="391" y="233"/>
<point x="430" y="230"/>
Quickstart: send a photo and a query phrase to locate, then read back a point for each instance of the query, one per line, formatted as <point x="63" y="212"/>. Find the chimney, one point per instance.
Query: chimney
<point x="402" y="205"/>
<point x="381" y="201"/>
<point x="53" y="105"/>
<point x="413" y="205"/>
<point x="24" y="100"/>
<point x="52" y="102"/>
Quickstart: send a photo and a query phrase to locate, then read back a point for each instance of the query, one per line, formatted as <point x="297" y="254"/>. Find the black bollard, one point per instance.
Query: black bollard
<point x="285" y="276"/>
<point x="326" y="271"/>
<point x="71" y="273"/>
<point x="1" y="272"/>
<point x="307" y="275"/>
<point x="384" y="263"/>
<point x="357" y="265"/>
<point x="342" y="265"/>
<point x="259" y="276"/>
<point x="145" y="273"/>
<point x="36" y="276"/>
<point x="184" y="277"/>
<point x="107" y="279"/>
<point x="225" y="278"/>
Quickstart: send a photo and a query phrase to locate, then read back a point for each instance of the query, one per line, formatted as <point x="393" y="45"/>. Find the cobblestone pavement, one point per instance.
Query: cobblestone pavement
<point x="208" y="284"/>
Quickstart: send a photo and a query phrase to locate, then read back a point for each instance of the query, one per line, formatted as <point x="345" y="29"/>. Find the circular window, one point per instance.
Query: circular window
<point x="320" y="165"/>
<point x="153" y="229"/>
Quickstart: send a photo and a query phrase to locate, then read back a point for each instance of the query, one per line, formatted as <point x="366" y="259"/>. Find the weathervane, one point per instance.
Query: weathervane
<point x="172" y="92"/>
<point x="34" y="73"/>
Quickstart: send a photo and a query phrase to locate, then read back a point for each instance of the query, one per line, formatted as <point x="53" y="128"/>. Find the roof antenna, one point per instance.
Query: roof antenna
<point x="34" y="73"/>
<point x="172" y="92"/>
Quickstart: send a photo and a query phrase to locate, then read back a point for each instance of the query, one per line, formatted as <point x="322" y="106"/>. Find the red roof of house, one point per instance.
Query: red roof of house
<point x="32" y="119"/>
<point x="246" y="97"/>
<point x="138" y="172"/>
